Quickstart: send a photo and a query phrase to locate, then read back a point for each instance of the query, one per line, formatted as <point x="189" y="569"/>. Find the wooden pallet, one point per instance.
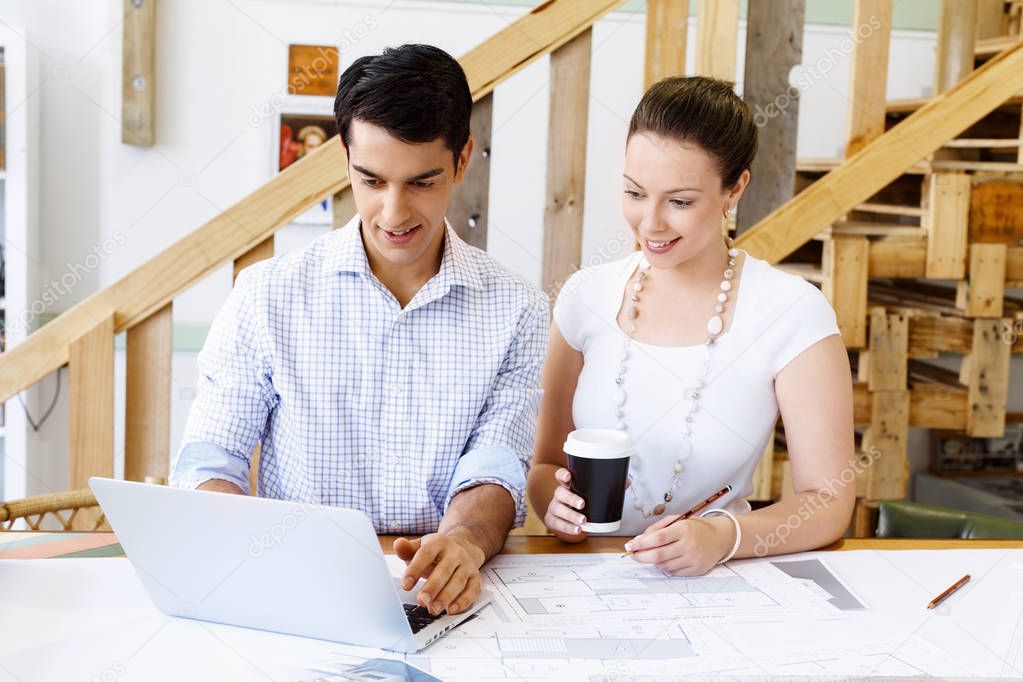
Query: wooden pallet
<point x="920" y="271"/>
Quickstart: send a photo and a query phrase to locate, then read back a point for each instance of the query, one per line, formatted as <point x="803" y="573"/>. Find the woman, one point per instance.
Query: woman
<point x="693" y="347"/>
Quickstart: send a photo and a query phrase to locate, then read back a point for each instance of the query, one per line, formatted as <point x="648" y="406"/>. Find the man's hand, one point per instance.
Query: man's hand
<point x="451" y="564"/>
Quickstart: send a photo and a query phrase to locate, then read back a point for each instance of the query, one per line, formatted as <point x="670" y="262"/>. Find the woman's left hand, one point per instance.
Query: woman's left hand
<point x="689" y="547"/>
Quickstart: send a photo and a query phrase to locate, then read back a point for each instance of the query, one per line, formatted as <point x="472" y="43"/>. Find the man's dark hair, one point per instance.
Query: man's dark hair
<point x="705" y="111"/>
<point x="417" y="93"/>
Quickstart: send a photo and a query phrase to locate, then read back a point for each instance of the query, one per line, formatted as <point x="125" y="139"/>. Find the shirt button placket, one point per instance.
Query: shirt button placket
<point x="394" y="417"/>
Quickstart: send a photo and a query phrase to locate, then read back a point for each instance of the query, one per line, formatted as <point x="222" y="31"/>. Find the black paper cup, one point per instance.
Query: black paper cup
<point x="599" y="462"/>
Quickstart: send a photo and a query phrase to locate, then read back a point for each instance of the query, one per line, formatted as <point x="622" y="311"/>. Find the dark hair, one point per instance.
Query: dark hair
<point x="417" y="93"/>
<point x="705" y="111"/>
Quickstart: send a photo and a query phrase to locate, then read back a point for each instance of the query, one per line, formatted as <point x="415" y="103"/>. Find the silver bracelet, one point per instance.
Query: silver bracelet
<point x="738" y="530"/>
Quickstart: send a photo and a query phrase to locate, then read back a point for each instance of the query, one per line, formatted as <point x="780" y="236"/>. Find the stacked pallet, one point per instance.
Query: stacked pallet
<point x="922" y="267"/>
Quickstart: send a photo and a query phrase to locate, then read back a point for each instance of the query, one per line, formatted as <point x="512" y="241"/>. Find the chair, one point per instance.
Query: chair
<point x="898" y="519"/>
<point x="74" y="510"/>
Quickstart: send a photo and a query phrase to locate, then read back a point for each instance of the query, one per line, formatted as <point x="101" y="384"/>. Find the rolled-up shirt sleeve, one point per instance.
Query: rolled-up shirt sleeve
<point x="500" y="446"/>
<point x="234" y="396"/>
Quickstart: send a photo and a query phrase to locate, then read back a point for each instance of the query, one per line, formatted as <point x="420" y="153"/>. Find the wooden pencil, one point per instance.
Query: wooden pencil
<point x="944" y="595"/>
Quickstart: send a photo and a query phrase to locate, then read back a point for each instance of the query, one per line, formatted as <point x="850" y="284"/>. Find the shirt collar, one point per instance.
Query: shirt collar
<point x="458" y="267"/>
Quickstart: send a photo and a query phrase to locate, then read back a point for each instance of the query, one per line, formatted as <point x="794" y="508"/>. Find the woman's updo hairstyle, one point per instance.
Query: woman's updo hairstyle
<point x="704" y="111"/>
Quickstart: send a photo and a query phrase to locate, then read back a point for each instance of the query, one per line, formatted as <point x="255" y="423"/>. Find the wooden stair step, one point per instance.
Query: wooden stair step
<point x="890" y="209"/>
<point x="826" y="165"/>
<point x="807" y="271"/>
<point x="911" y="104"/>
<point x="989" y="47"/>
<point x="868" y="229"/>
<point x="983" y="143"/>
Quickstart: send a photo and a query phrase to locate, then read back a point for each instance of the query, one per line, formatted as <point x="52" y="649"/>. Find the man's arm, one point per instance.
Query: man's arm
<point x="218" y="485"/>
<point x="487" y="493"/>
<point x="234" y="397"/>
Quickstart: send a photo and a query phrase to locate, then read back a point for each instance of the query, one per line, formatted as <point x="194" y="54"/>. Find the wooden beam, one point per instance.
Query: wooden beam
<point x="667" y="24"/>
<point x="91" y="404"/>
<point x="888" y="350"/>
<point x="342" y="208"/>
<point x="986" y="371"/>
<point x="262" y="251"/>
<point x="566" y="161"/>
<point x="935" y="406"/>
<point x="887" y="157"/>
<point x="957" y="34"/>
<point x="138" y="73"/>
<point x="717" y="38"/>
<point x="541" y="31"/>
<point x="847" y="269"/>
<point x="933" y="334"/>
<point x="889" y="425"/>
<point x="864" y="521"/>
<point x="990" y="18"/>
<point x="931" y="406"/>
<point x="1019" y="153"/>
<point x="898" y="258"/>
<point x="774" y="46"/>
<point x="845" y="264"/>
<point x="257" y="216"/>
<point x="868" y="74"/>
<point x="469" y="210"/>
<point x="983" y="293"/>
<point x="1014" y="265"/>
<point x="947" y="220"/>
<point x="996" y="211"/>
<point x="147" y="411"/>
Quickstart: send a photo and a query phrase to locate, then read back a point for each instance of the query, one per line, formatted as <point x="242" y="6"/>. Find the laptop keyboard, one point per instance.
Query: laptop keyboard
<point x="419" y="617"/>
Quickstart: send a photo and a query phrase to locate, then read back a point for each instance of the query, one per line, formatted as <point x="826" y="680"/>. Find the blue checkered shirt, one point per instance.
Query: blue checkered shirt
<point x="359" y="403"/>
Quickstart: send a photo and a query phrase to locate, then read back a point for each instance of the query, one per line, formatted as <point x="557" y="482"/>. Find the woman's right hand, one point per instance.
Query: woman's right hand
<point x="563" y="514"/>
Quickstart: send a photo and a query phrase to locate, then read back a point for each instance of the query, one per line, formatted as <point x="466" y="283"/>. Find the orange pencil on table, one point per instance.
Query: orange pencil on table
<point x="721" y="493"/>
<point x="944" y="595"/>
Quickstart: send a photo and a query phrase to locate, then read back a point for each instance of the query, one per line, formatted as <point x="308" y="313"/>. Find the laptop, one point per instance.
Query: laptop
<point x="287" y="567"/>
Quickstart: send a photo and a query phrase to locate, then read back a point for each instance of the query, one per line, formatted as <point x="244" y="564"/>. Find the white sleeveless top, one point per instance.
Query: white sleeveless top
<point x="777" y="316"/>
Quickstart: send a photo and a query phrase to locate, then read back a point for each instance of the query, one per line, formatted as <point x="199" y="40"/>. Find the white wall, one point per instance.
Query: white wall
<point x="218" y="63"/>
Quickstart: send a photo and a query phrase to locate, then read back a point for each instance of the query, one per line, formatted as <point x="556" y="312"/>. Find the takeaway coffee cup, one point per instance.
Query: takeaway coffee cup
<point x="599" y="462"/>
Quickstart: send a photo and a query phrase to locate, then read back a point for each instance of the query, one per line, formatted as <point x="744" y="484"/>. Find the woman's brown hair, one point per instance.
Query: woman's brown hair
<point x="704" y="111"/>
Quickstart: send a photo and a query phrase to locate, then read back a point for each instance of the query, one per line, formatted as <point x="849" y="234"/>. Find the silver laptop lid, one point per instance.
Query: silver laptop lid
<point x="274" y="565"/>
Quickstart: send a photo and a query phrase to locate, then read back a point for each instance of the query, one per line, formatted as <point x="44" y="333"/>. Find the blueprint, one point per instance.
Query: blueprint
<point x="565" y="589"/>
<point x="598" y="617"/>
<point x="595" y="616"/>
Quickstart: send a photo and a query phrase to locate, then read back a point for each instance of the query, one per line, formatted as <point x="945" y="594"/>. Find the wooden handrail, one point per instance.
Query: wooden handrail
<point x="886" y="158"/>
<point x="256" y="217"/>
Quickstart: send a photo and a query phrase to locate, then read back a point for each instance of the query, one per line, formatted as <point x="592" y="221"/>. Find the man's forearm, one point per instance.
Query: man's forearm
<point x="218" y="485"/>
<point x="482" y="514"/>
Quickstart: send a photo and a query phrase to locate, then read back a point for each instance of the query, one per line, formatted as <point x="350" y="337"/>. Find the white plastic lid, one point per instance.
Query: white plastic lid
<point x="598" y="444"/>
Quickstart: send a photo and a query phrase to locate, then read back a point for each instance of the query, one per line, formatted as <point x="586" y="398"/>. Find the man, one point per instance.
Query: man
<point x="388" y="367"/>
